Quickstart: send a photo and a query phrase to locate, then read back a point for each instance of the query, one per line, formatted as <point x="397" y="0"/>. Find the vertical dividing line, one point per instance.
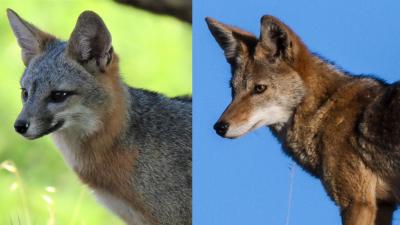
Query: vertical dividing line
<point x="290" y="197"/>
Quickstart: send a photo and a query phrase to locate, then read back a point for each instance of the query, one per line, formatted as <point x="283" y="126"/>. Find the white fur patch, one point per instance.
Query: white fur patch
<point x="263" y="117"/>
<point x="69" y="148"/>
<point x="121" y="208"/>
<point x="79" y="118"/>
<point x="79" y="122"/>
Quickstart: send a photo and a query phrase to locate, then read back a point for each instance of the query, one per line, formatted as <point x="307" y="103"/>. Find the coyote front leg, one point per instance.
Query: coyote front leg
<point x="359" y="213"/>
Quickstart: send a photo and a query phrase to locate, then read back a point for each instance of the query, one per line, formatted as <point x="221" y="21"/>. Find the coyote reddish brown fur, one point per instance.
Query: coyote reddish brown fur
<point x="341" y="128"/>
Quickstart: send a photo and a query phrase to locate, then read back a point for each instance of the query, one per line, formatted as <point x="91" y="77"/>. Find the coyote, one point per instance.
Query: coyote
<point x="131" y="147"/>
<point x="341" y="128"/>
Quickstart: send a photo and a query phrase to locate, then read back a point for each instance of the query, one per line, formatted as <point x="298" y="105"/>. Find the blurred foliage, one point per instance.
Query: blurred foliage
<point x="155" y="53"/>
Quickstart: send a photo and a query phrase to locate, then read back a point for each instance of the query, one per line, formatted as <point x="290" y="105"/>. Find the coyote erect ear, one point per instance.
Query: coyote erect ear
<point x="235" y="42"/>
<point x="31" y="40"/>
<point x="90" y="43"/>
<point x="278" y="38"/>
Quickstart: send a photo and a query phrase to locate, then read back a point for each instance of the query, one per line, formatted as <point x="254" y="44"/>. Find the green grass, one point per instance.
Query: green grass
<point x="155" y="53"/>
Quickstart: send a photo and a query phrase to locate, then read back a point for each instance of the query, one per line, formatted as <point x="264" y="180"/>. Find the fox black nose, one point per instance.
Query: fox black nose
<point x="21" y="126"/>
<point x="221" y="128"/>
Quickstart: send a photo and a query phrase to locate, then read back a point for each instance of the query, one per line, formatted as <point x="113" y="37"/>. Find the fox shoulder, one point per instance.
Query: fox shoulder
<point x="183" y="98"/>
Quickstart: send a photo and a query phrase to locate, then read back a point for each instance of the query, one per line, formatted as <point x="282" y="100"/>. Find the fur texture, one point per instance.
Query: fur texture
<point x="341" y="128"/>
<point x="131" y="146"/>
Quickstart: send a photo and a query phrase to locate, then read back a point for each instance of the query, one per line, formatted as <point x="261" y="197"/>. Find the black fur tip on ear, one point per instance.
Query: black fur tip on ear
<point x="210" y="20"/>
<point x="265" y="18"/>
<point x="10" y="11"/>
<point x="268" y="19"/>
<point x="270" y="22"/>
<point x="212" y="23"/>
<point x="89" y="14"/>
<point x="12" y="14"/>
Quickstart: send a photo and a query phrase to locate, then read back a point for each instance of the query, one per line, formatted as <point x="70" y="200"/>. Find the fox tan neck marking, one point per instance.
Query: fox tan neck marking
<point x="103" y="163"/>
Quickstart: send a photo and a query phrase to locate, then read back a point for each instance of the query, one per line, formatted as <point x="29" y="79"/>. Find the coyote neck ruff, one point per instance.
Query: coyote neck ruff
<point x="333" y="98"/>
<point x="341" y="128"/>
<point x="131" y="146"/>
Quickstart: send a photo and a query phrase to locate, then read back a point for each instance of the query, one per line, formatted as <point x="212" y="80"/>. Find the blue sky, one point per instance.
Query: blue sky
<point x="246" y="181"/>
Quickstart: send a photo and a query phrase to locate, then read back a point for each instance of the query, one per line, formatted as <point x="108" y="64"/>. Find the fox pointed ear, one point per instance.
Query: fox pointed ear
<point x="31" y="40"/>
<point x="235" y="42"/>
<point x="278" y="38"/>
<point x="90" y="43"/>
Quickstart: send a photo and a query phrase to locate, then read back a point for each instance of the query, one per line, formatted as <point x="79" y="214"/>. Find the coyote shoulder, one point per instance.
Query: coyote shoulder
<point x="341" y="128"/>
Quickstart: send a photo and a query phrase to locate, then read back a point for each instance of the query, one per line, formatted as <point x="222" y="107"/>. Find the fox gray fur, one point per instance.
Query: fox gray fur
<point x="131" y="146"/>
<point x="341" y="128"/>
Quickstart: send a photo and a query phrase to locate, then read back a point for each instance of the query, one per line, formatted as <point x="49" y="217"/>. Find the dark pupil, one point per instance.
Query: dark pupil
<point x="259" y="88"/>
<point x="58" y="96"/>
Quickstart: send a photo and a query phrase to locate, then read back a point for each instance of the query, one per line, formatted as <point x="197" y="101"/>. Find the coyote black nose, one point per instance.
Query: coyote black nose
<point x="21" y="126"/>
<point x="221" y="127"/>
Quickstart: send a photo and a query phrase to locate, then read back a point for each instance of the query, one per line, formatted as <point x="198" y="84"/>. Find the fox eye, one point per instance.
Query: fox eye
<point x="59" y="96"/>
<point x="24" y="94"/>
<point x="259" y="88"/>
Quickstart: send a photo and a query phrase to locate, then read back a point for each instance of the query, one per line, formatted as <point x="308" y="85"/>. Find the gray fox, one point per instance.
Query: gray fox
<point x="130" y="146"/>
<point x="341" y="128"/>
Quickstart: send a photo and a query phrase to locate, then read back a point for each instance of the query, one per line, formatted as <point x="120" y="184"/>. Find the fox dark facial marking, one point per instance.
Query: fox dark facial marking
<point x="132" y="147"/>
<point x="24" y="94"/>
<point x="59" y="96"/>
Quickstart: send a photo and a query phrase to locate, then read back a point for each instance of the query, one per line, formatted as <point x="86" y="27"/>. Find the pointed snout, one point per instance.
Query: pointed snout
<point x="221" y="127"/>
<point x="22" y="123"/>
<point x="235" y="119"/>
<point x="21" y="126"/>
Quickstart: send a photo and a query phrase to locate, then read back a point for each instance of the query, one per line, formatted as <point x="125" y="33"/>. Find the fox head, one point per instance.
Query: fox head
<point x="65" y="84"/>
<point x="266" y="84"/>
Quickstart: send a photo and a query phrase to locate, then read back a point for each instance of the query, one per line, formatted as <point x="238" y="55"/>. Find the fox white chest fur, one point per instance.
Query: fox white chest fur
<point x="130" y="146"/>
<point x="67" y="142"/>
<point x="121" y="208"/>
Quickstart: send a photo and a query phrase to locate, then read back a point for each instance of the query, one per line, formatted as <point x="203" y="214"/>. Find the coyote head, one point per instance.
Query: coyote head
<point x="266" y="87"/>
<point x="64" y="83"/>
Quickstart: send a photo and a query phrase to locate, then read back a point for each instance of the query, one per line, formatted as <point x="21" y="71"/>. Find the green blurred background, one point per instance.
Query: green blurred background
<point x="155" y="53"/>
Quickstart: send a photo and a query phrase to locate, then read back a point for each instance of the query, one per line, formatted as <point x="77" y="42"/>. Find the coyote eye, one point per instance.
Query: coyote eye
<point x="259" y="88"/>
<point x="24" y="94"/>
<point x="59" y="96"/>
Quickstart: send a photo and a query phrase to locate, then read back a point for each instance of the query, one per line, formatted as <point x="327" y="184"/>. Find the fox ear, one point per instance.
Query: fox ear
<point x="278" y="38"/>
<point x="90" y="43"/>
<point x="31" y="40"/>
<point x="235" y="42"/>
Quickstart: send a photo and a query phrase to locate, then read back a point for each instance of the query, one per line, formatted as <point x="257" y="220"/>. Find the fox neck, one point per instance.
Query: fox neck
<point x="84" y="150"/>
<point x="79" y="145"/>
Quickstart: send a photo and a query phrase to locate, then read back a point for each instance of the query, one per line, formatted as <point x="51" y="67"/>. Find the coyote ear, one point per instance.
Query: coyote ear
<point x="31" y="40"/>
<point x="277" y="38"/>
<point x="233" y="41"/>
<point x="90" y="43"/>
